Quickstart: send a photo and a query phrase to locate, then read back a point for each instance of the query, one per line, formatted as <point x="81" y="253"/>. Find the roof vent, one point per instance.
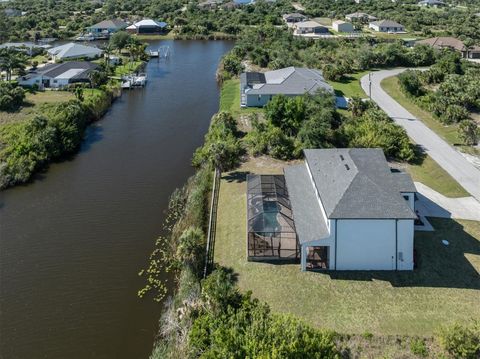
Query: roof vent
<point x="342" y="158"/>
<point x="348" y="168"/>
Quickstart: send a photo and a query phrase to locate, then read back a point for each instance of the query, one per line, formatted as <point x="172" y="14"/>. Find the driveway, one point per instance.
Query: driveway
<point x="445" y="155"/>
<point x="433" y="204"/>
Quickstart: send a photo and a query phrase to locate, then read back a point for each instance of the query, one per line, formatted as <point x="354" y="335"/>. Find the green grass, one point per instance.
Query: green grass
<point x="448" y="133"/>
<point x="350" y="86"/>
<point x="169" y="36"/>
<point x="435" y="177"/>
<point x="230" y="99"/>
<point x="127" y="68"/>
<point x="444" y="289"/>
<point x="32" y="103"/>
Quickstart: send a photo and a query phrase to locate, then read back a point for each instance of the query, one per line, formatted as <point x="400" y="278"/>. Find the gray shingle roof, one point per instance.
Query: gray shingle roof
<point x="358" y="183"/>
<point x="387" y="23"/>
<point x="54" y="70"/>
<point x="110" y="24"/>
<point x="307" y="213"/>
<point x="73" y="50"/>
<point x="287" y="81"/>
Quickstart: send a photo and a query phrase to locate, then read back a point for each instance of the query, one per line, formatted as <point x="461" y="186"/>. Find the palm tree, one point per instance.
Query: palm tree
<point x="12" y="60"/>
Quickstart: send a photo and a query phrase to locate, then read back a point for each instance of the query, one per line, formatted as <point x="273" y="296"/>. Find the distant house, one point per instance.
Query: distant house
<point x="294" y="17"/>
<point x="257" y="89"/>
<point x="452" y="44"/>
<point x="360" y="17"/>
<point x="342" y="26"/>
<point x="343" y="209"/>
<point x="431" y="3"/>
<point x="12" y="12"/>
<point x="209" y="4"/>
<point x="74" y="51"/>
<point x="107" y="27"/>
<point x="28" y="47"/>
<point x="386" y="26"/>
<point x="59" y="75"/>
<point x="147" y="26"/>
<point x="309" y="27"/>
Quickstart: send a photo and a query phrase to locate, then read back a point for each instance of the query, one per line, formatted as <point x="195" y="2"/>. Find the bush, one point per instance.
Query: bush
<point x="410" y="83"/>
<point x="461" y="341"/>
<point x="376" y="130"/>
<point x="30" y="145"/>
<point x="11" y="96"/>
<point x="222" y="148"/>
<point x="238" y="326"/>
<point x="468" y="132"/>
<point x="418" y="347"/>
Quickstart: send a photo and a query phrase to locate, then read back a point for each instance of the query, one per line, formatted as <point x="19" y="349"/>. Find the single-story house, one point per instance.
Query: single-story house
<point x="343" y="209"/>
<point x="28" y="47"/>
<point x="74" y="51"/>
<point x="360" y="17"/>
<point x="294" y="17"/>
<point x="342" y="26"/>
<point x="386" y="26"/>
<point x="431" y="3"/>
<point x="107" y="27"/>
<point x="452" y="44"/>
<point x="209" y="4"/>
<point x="12" y="12"/>
<point x="309" y="27"/>
<point x="147" y="26"/>
<point x="257" y="89"/>
<point x="59" y="75"/>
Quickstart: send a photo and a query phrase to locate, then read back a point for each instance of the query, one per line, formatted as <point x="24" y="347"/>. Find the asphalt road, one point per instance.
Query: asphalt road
<point x="445" y="155"/>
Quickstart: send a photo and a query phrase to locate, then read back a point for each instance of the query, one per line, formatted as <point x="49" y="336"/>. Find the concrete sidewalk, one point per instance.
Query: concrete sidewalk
<point x="433" y="204"/>
<point x="445" y="155"/>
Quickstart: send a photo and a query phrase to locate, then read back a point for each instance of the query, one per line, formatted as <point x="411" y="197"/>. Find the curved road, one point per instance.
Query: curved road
<point x="445" y="155"/>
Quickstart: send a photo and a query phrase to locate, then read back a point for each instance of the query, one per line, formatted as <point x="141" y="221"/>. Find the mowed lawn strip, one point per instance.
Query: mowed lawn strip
<point x="432" y="175"/>
<point x="444" y="289"/>
<point x="448" y="133"/>
<point x="350" y="85"/>
<point x="32" y="103"/>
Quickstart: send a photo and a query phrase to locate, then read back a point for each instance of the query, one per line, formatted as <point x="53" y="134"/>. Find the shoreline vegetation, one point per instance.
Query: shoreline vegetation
<point x="41" y="127"/>
<point x="48" y="129"/>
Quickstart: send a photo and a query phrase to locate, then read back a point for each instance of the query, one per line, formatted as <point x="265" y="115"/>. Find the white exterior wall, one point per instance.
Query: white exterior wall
<point x="374" y="27"/>
<point x="411" y="199"/>
<point x="31" y="81"/>
<point x="59" y="82"/>
<point x="405" y="233"/>
<point x="345" y="27"/>
<point x="366" y="244"/>
<point x="257" y="100"/>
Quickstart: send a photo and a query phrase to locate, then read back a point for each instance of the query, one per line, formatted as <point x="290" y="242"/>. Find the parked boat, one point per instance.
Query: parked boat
<point x="85" y="37"/>
<point x="132" y="81"/>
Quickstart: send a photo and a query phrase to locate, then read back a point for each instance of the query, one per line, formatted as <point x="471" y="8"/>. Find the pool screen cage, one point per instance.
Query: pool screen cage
<point x="271" y="230"/>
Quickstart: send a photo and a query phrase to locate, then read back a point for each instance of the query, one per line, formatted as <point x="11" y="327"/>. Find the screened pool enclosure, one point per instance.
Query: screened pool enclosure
<point x="270" y="228"/>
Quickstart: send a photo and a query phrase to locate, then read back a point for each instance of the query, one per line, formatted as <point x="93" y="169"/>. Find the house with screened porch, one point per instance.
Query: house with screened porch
<point x="342" y="209"/>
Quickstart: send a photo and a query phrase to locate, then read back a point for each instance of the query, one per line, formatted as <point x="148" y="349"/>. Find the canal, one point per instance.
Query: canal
<point x="73" y="241"/>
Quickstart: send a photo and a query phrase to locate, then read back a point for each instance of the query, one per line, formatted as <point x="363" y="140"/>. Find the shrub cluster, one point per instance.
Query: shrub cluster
<point x="11" y="96"/>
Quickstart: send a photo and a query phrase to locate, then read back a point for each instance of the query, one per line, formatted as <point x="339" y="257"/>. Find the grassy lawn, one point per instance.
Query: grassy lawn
<point x="448" y="133"/>
<point x="350" y="86"/>
<point x="127" y="68"/>
<point x="445" y="287"/>
<point x="32" y="102"/>
<point x="169" y="36"/>
<point x="435" y="177"/>
<point x="230" y="99"/>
